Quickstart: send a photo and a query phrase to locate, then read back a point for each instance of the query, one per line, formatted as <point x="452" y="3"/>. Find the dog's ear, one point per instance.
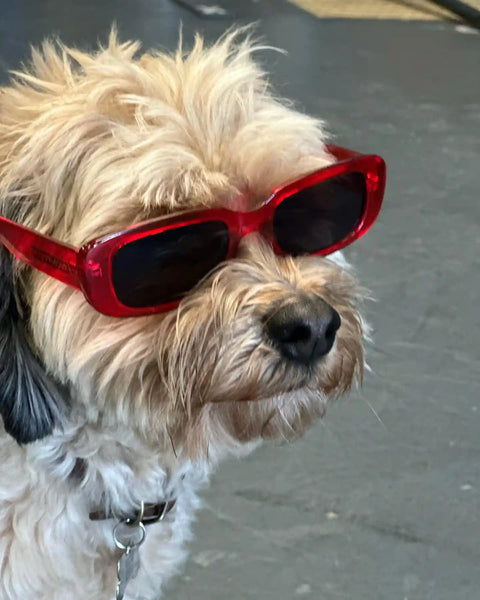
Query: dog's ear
<point x="30" y="402"/>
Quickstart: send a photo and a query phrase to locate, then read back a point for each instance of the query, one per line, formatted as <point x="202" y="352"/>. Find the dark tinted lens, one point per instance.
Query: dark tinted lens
<point x="161" y="268"/>
<point x="321" y="215"/>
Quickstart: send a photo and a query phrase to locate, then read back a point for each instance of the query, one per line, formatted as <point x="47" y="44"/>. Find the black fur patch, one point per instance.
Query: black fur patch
<point x="30" y="402"/>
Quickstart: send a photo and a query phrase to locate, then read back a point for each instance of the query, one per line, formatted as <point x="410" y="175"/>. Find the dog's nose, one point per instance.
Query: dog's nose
<point x="303" y="331"/>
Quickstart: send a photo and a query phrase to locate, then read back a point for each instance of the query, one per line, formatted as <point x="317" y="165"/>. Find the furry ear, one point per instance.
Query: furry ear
<point x="30" y="403"/>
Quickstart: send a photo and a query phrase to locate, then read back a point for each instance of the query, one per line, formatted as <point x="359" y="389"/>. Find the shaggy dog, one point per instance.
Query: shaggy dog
<point x="102" y="413"/>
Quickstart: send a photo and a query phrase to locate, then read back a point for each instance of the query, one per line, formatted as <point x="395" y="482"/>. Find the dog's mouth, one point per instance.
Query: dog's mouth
<point x="253" y="394"/>
<point x="272" y="378"/>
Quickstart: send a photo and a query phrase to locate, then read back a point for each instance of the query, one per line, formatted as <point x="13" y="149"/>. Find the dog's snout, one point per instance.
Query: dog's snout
<point x="303" y="331"/>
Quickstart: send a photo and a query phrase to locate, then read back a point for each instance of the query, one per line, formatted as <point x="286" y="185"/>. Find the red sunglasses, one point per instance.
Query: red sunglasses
<point x="148" y="267"/>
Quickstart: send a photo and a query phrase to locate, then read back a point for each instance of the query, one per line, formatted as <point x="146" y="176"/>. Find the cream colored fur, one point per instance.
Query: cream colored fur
<point x="89" y="144"/>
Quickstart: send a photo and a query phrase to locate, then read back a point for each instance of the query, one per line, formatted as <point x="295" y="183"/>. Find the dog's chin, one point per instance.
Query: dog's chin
<point x="281" y="416"/>
<point x="225" y="427"/>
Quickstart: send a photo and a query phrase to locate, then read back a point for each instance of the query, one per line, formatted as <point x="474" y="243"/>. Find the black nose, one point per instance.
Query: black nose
<point x="303" y="331"/>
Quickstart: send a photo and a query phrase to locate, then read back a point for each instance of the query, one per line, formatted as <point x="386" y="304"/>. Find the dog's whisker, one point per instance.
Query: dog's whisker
<point x="172" y="442"/>
<point x="377" y="416"/>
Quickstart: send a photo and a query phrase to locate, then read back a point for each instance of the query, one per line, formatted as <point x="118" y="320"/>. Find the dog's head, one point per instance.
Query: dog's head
<point x="90" y="144"/>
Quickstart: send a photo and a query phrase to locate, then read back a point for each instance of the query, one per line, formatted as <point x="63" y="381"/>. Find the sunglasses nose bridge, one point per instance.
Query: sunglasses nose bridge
<point x="263" y="228"/>
<point x="243" y="227"/>
<point x="255" y="221"/>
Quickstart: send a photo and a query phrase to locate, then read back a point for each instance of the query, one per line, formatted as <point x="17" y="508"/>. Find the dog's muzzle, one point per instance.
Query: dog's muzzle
<point x="303" y="331"/>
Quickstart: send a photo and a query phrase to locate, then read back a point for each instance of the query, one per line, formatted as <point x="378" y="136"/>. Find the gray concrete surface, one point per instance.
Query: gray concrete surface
<point x="381" y="500"/>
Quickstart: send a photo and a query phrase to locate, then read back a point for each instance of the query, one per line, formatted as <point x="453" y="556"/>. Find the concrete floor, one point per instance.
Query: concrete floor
<point x="381" y="500"/>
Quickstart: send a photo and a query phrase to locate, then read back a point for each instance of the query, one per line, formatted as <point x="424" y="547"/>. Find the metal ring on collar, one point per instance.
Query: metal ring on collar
<point x="126" y="544"/>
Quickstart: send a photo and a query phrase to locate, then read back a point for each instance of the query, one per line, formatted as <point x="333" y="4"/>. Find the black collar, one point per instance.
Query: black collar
<point x="151" y="514"/>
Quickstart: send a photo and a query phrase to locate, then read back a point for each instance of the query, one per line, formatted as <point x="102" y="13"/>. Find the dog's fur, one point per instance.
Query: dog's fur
<point x="105" y="412"/>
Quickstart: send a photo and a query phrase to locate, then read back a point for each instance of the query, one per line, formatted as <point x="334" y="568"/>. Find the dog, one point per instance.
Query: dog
<point x="204" y="317"/>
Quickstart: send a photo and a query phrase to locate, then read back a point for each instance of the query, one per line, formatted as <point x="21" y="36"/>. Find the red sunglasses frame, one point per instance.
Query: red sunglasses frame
<point x="89" y="268"/>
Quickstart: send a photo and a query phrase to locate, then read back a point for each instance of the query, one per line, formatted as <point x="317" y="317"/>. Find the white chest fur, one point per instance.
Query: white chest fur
<point x="50" y="550"/>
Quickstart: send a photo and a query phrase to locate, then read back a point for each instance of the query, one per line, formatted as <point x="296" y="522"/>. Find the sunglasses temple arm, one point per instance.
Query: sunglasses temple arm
<point x="40" y="252"/>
